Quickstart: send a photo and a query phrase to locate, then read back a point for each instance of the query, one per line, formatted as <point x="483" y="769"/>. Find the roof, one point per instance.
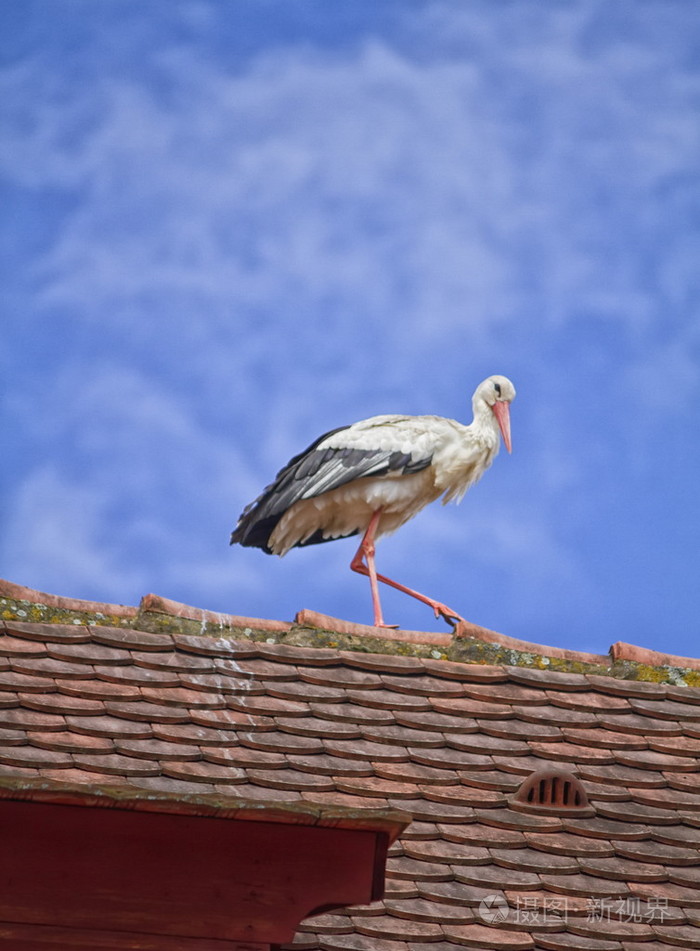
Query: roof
<point x="339" y="715"/>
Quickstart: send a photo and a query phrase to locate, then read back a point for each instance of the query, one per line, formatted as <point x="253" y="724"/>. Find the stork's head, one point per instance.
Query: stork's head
<point x="496" y="394"/>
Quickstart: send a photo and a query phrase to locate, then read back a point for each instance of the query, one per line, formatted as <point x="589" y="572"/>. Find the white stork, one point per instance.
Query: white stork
<point x="373" y="476"/>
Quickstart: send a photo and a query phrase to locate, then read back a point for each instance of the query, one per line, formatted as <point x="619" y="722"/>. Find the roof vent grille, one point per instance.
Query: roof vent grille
<point x="552" y="792"/>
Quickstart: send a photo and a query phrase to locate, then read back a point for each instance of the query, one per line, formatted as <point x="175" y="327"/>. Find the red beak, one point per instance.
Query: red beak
<point x="501" y="411"/>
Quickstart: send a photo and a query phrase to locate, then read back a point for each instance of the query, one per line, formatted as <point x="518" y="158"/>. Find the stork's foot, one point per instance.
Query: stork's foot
<point x="391" y="627"/>
<point x="447" y="614"/>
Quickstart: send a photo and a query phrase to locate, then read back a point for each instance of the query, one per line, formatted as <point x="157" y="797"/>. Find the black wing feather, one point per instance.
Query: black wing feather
<point x="309" y="474"/>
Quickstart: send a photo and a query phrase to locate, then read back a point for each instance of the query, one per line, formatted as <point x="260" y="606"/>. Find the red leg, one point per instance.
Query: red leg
<point x="366" y="550"/>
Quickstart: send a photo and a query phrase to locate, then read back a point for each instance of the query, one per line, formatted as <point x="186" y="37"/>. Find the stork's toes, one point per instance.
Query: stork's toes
<point x="447" y="614"/>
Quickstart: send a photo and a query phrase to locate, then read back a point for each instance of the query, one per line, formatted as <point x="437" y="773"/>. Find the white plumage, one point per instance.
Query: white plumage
<point x="373" y="476"/>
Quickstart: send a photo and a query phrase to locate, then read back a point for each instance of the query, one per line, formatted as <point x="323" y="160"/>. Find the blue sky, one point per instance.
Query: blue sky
<point x="231" y="226"/>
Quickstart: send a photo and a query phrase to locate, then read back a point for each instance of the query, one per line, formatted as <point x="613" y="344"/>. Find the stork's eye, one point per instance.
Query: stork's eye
<point x="497" y="388"/>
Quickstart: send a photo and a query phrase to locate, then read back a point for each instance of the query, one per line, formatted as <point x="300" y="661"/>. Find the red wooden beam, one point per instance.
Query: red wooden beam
<point x="81" y="875"/>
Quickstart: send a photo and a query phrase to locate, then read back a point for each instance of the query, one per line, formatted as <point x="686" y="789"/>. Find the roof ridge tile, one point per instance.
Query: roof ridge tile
<point x="465" y="629"/>
<point x="326" y="622"/>
<point x="16" y="592"/>
<point x="156" y="604"/>
<point x="651" y="658"/>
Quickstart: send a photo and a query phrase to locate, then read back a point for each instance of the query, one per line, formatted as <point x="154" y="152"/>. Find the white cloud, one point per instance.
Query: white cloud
<point x="299" y="184"/>
<point x="128" y="484"/>
<point x="377" y="177"/>
<point x="324" y="193"/>
<point x="53" y="540"/>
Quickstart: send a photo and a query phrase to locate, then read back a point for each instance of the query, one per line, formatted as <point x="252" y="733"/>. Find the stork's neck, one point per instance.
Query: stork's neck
<point x="484" y="426"/>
